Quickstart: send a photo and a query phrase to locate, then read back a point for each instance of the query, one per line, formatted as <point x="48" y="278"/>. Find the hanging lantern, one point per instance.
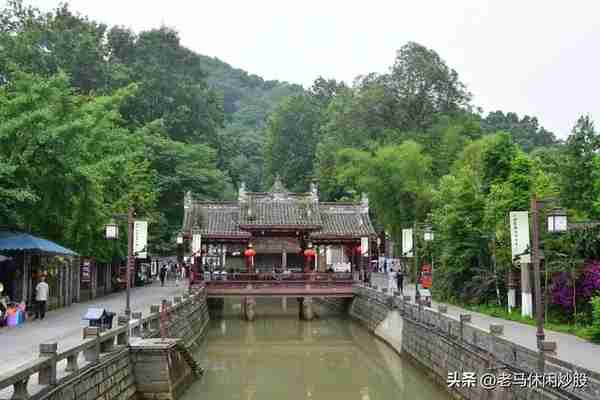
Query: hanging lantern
<point x="358" y="250"/>
<point x="309" y="255"/>
<point x="249" y="254"/>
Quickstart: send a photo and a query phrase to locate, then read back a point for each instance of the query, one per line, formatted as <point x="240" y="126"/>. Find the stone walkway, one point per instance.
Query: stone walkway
<point x="64" y="326"/>
<point x="570" y="348"/>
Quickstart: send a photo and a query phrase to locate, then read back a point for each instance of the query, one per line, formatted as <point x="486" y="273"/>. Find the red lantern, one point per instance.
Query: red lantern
<point x="309" y="254"/>
<point x="249" y="254"/>
<point x="358" y="250"/>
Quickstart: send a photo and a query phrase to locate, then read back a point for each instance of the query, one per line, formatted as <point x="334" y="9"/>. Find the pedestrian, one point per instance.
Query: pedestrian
<point x="400" y="279"/>
<point x="41" y="297"/>
<point x="391" y="281"/>
<point x="177" y="274"/>
<point x="162" y="275"/>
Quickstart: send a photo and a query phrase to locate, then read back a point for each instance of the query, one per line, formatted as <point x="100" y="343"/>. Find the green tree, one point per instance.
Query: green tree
<point x="397" y="180"/>
<point x="578" y="175"/>
<point x="291" y="140"/>
<point x="526" y="131"/>
<point x="424" y="86"/>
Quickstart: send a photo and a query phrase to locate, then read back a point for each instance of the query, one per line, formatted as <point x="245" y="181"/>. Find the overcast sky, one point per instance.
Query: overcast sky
<point x="532" y="57"/>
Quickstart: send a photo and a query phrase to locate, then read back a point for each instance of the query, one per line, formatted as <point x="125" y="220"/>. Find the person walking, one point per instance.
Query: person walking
<point x="177" y="274"/>
<point x="391" y="281"/>
<point x="41" y="297"/>
<point x="162" y="275"/>
<point x="400" y="279"/>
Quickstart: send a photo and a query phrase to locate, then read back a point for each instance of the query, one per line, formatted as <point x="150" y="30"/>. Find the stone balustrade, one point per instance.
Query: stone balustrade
<point x="56" y="366"/>
<point x="432" y="337"/>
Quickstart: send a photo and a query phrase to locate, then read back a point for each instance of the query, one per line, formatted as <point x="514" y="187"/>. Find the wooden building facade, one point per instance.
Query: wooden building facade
<point x="280" y="225"/>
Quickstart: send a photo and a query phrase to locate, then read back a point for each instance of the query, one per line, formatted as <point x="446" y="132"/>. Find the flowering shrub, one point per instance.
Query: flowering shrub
<point x="562" y="291"/>
<point x="587" y="285"/>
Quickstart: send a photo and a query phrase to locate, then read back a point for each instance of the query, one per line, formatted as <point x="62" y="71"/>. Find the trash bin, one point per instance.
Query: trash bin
<point x="99" y="317"/>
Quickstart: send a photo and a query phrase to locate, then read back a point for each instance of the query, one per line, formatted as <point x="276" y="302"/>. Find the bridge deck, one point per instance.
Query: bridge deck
<point x="301" y="285"/>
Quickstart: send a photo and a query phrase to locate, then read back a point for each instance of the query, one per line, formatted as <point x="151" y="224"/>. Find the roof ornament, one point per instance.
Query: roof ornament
<point x="364" y="203"/>
<point x="314" y="192"/>
<point x="187" y="200"/>
<point x="242" y="192"/>
<point x="278" y="186"/>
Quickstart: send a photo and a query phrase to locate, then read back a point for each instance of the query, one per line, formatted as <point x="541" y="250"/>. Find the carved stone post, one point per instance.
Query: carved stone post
<point x="47" y="375"/>
<point x="92" y="353"/>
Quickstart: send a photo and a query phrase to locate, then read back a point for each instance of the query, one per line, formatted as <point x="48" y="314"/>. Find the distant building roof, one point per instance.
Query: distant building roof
<point x="278" y="210"/>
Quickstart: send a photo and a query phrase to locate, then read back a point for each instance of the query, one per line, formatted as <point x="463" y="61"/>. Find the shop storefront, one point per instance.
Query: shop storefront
<point x="30" y="258"/>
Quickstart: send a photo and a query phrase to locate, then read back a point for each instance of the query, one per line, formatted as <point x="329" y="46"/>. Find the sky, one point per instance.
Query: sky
<point x="532" y="57"/>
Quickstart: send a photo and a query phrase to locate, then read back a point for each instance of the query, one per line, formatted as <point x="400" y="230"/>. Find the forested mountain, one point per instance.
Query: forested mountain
<point x="247" y="102"/>
<point x="95" y="119"/>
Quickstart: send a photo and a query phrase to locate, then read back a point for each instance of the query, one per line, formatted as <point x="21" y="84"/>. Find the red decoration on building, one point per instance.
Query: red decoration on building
<point x="249" y="254"/>
<point x="309" y="255"/>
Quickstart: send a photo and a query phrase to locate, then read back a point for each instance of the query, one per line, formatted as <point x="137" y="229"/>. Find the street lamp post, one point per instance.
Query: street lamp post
<point x="112" y="233"/>
<point x="428" y="236"/>
<point x="556" y="222"/>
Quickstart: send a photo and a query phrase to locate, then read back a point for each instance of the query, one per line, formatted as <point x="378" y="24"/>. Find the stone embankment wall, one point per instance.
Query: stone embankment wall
<point x="443" y="344"/>
<point x="108" y="380"/>
<point x="340" y="305"/>
<point x="185" y="319"/>
<point x="101" y="367"/>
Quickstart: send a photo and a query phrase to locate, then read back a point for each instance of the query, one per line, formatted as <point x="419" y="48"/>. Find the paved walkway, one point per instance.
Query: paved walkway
<point x="20" y="344"/>
<point x="570" y="348"/>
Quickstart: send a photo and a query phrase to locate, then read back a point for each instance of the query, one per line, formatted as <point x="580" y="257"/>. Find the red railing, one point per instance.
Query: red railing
<point x="260" y="284"/>
<point x="276" y="277"/>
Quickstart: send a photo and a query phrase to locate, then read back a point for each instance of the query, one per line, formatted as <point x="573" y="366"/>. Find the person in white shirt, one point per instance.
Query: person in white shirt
<point x="41" y="297"/>
<point x="392" y="281"/>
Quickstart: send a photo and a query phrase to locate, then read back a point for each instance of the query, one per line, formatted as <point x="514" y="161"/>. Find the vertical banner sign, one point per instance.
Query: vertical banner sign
<point x="140" y="239"/>
<point x="407" y="242"/>
<point x="196" y="243"/>
<point x="519" y="234"/>
<point x="364" y="246"/>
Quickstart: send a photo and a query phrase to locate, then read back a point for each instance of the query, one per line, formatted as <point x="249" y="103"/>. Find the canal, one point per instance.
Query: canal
<point x="278" y="357"/>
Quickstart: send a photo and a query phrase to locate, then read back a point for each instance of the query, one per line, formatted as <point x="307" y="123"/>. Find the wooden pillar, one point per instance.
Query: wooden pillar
<point x="59" y="289"/>
<point x="76" y="279"/>
<point x="108" y="278"/>
<point x="283" y="258"/>
<point x="93" y="279"/>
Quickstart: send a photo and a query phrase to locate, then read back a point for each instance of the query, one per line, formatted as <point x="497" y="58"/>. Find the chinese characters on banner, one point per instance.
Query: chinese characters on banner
<point x="407" y="242"/>
<point x="364" y="246"/>
<point x="196" y="244"/>
<point x="140" y="239"/>
<point x="519" y="235"/>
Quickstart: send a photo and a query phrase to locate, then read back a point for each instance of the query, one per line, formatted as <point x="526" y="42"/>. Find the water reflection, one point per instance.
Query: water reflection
<point x="277" y="356"/>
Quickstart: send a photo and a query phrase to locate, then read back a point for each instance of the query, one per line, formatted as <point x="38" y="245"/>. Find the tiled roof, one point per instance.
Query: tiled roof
<point x="343" y="220"/>
<point x="214" y="219"/>
<point x="278" y="208"/>
<point x="266" y="210"/>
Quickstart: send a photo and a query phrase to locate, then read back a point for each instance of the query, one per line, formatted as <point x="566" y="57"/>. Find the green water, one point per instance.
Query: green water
<point x="279" y="357"/>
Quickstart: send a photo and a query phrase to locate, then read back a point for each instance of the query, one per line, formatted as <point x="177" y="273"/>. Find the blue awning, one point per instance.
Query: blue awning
<point x="11" y="241"/>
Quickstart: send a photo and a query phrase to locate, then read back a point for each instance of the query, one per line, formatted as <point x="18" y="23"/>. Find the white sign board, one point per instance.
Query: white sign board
<point x="364" y="246"/>
<point x="196" y="243"/>
<point x="140" y="239"/>
<point x="519" y="234"/>
<point x="407" y="242"/>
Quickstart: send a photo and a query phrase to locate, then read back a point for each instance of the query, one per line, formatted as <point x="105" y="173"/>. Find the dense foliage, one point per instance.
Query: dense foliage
<point x="94" y="119"/>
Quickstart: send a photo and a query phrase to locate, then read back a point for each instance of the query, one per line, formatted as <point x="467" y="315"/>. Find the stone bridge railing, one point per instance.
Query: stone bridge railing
<point x="56" y="366"/>
<point x="426" y="328"/>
